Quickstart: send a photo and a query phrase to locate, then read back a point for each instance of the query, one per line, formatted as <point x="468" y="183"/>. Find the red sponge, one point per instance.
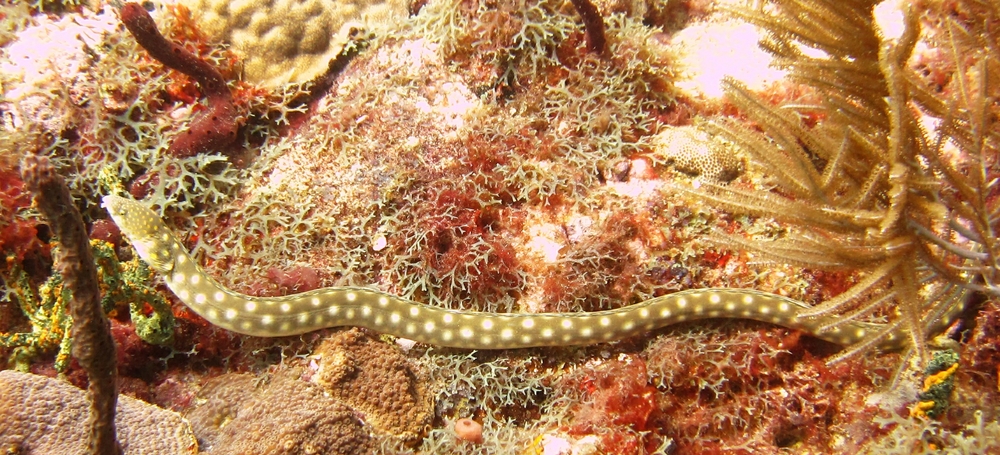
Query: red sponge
<point x="215" y="128"/>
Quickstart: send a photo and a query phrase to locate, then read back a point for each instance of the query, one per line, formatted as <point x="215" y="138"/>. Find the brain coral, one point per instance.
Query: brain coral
<point x="284" y="417"/>
<point x="40" y="415"/>
<point x="284" y="41"/>
<point x="375" y="378"/>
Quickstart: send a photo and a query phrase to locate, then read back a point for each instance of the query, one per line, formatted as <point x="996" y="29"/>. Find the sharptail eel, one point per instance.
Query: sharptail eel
<point x="386" y="313"/>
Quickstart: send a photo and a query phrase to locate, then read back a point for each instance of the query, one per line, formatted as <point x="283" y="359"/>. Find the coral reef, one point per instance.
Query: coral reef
<point x="149" y="312"/>
<point x="88" y="96"/>
<point x="18" y="236"/>
<point x="910" y="437"/>
<point x="508" y="394"/>
<point x="766" y="387"/>
<point x="45" y="306"/>
<point x="48" y="321"/>
<point x="43" y="415"/>
<point x="617" y="404"/>
<point x="480" y="155"/>
<point x="454" y="221"/>
<point x="218" y="402"/>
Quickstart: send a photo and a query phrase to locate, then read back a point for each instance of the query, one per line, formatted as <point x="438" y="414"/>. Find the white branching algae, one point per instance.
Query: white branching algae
<point x="376" y="310"/>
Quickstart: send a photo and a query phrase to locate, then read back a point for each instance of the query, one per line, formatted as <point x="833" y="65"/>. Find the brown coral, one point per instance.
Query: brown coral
<point x="286" y="416"/>
<point x="376" y="379"/>
<point x="219" y="402"/>
<point x="285" y="41"/>
<point x="40" y="415"/>
<point x="93" y="346"/>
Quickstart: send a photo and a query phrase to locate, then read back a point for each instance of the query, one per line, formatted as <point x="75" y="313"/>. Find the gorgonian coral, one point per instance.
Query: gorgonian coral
<point x="898" y="179"/>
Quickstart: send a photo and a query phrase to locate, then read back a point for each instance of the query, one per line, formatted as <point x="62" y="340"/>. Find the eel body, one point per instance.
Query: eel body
<point x="386" y="313"/>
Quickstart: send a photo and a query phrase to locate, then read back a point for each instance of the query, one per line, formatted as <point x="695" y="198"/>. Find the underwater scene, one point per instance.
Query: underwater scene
<point x="526" y="227"/>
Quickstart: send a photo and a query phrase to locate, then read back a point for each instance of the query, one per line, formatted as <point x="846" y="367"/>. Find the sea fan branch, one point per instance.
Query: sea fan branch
<point x="868" y="188"/>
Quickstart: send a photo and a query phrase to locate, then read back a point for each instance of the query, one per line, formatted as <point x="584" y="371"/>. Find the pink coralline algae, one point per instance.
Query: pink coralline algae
<point x="469" y="430"/>
<point x="618" y="404"/>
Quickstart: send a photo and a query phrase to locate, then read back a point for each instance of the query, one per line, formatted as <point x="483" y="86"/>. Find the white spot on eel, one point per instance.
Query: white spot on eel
<point x="317" y="309"/>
